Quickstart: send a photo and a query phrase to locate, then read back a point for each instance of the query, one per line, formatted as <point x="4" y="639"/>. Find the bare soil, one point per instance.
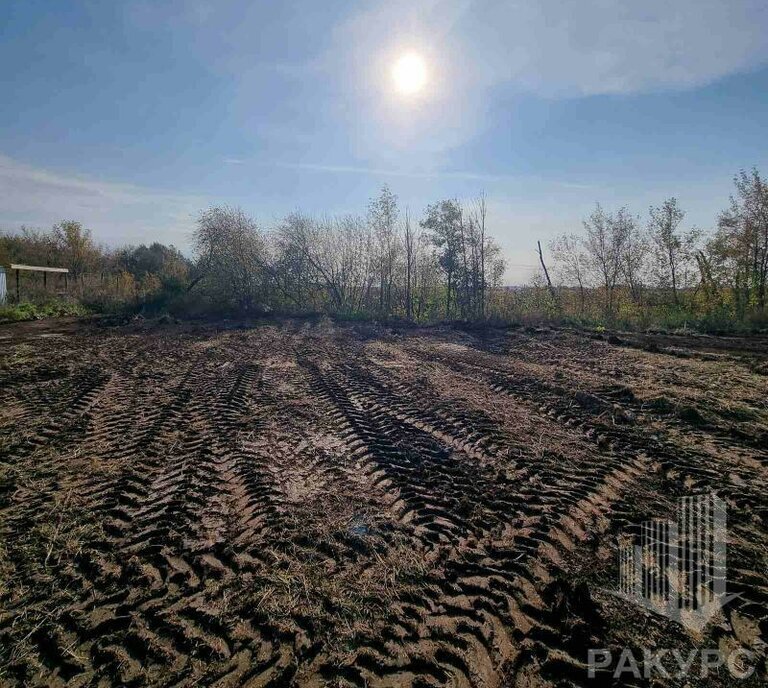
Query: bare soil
<point x="309" y="503"/>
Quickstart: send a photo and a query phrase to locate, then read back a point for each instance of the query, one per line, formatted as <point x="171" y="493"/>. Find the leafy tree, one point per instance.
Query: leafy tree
<point x="673" y="248"/>
<point x="231" y="256"/>
<point x="75" y="247"/>
<point x="573" y="267"/>
<point x="443" y="221"/>
<point x="166" y="262"/>
<point x="739" y="250"/>
<point x="382" y="216"/>
<point x="29" y="246"/>
<point x="604" y="244"/>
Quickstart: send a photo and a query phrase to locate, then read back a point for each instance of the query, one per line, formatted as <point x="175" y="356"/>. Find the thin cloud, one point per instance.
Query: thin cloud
<point x="548" y="48"/>
<point x="565" y="48"/>
<point x="118" y="213"/>
<point x="382" y="172"/>
<point x="416" y="174"/>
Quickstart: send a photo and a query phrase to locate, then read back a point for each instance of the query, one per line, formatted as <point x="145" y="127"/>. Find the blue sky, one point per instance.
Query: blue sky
<point x="132" y="116"/>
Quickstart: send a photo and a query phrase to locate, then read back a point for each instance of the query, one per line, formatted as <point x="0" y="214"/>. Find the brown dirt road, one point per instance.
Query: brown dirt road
<point x="305" y="503"/>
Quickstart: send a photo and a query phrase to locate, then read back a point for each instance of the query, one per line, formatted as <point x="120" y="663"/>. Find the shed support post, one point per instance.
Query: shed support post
<point x="18" y="289"/>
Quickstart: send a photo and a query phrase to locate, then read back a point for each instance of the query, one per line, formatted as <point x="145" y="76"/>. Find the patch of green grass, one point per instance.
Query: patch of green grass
<point x="33" y="311"/>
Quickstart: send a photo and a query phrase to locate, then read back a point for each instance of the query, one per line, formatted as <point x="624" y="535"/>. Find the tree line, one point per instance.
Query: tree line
<point x="102" y="278"/>
<point x="380" y="264"/>
<point x="623" y="268"/>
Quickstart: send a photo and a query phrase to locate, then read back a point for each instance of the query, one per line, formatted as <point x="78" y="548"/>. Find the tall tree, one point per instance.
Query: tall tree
<point x="382" y="215"/>
<point x="741" y="243"/>
<point x="411" y="243"/>
<point x="572" y="265"/>
<point x="443" y="220"/>
<point x="231" y="255"/>
<point x="673" y="248"/>
<point x="481" y="212"/>
<point x="634" y="252"/>
<point x="604" y="243"/>
<point x="75" y="247"/>
<point x="338" y="253"/>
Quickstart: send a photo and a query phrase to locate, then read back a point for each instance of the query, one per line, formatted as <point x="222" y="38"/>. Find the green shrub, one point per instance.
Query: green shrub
<point x="32" y="311"/>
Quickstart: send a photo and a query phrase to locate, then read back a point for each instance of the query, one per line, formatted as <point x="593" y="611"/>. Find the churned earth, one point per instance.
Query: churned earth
<point x="302" y="502"/>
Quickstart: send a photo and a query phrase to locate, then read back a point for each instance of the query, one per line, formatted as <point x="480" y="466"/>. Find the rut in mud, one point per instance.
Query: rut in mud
<point x="311" y="504"/>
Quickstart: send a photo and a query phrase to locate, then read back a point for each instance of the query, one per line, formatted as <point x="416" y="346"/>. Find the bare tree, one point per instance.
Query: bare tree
<point x="673" y="248"/>
<point x="426" y="281"/>
<point x="231" y="255"/>
<point x="339" y="252"/>
<point x="481" y="212"/>
<point x="634" y="252"/>
<point x="382" y="215"/>
<point x="604" y="243"/>
<point x="411" y="242"/>
<point x="552" y="292"/>
<point x="571" y="261"/>
<point x="482" y="252"/>
<point x="293" y="274"/>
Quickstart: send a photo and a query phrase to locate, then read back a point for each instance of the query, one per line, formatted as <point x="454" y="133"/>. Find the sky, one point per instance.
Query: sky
<point x="133" y="116"/>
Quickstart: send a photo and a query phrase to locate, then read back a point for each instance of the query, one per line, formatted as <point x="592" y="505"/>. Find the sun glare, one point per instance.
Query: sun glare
<point x="409" y="74"/>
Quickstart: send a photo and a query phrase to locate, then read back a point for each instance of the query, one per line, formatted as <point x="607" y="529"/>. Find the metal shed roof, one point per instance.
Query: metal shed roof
<point x="37" y="268"/>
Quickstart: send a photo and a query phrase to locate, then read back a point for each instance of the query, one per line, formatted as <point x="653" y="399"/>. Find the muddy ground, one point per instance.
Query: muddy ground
<point x="309" y="503"/>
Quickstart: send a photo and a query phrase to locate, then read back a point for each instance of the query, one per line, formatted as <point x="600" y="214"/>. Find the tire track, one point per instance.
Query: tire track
<point x="295" y="505"/>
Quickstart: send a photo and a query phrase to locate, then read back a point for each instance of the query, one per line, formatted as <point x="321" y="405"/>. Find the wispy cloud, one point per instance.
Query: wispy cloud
<point x="384" y="172"/>
<point x="424" y="174"/>
<point x="549" y="48"/>
<point x="560" y="47"/>
<point x="118" y="213"/>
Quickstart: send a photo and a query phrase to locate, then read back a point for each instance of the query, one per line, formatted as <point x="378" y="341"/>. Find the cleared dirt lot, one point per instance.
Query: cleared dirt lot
<point x="305" y="503"/>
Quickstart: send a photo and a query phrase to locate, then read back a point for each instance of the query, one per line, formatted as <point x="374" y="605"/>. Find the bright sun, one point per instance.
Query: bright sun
<point x="409" y="74"/>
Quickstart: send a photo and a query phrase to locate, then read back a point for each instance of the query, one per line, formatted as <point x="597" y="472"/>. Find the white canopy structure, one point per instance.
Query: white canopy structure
<point x="18" y="267"/>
